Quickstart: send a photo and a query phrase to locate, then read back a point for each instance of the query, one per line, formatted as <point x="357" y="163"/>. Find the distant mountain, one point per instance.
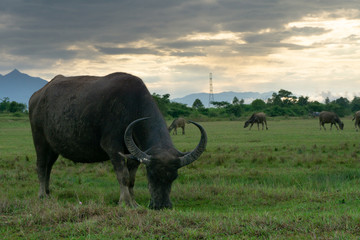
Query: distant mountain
<point x="224" y="96"/>
<point x="19" y="86"/>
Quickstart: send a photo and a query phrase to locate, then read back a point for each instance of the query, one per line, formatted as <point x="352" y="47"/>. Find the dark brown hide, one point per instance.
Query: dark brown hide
<point x="332" y="118"/>
<point x="84" y="119"/>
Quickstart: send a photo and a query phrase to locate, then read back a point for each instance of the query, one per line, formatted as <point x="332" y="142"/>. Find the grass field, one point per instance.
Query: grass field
<point x="290" y="182"/>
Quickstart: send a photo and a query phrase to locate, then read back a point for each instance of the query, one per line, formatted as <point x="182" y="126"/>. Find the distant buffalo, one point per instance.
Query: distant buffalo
<point x="332" y="118"/>
<point x="257" y="118"/>
<point x="179" y="122"/>
<point x="357" y="120"/>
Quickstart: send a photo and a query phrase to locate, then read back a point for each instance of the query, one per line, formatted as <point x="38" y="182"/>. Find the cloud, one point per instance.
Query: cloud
<point x="119" y="51"/>
<point x="91" y="22"/>
<point x="187" y="54"/>
<point x="261" y="39"/>
<point x="185" y="44"/>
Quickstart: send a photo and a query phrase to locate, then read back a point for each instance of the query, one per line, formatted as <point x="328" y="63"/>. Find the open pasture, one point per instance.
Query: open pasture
<point x="292" y="181"/>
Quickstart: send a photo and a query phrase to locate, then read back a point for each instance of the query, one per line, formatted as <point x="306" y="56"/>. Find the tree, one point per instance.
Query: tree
<point x="315" y="106"/>
<point x="343" y="102"/>
<point x="283" y="97"/>
<point x="327" y="101"/>
<point x="355" y="104"/>
<point x="235" y="101"/>
<point x="16" y="107"/>
<point x="258" y="104"/>
<point x="303" y="101"/>
<point x="275" y="100"/>
<point x="286" y="97"/>
<point x="7" y="106"/>
<point x="162" y="102"/>
<point x="178" y="109"/>
<point x="198" y="104"/>
<point x="234" y="109"/>
<point x="222" y="104"/>
<point x="4" y="104"/>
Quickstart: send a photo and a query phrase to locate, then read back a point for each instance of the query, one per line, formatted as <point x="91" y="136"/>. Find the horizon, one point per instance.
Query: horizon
<point x="16" y="70"/>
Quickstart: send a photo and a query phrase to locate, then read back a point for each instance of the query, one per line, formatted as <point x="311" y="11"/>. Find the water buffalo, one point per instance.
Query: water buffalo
<point x="179" y="122"/>
<point x="257" y="118"/>
<point x="357" y="120"/>
<point x="91" y="119"/>
<point x="332" y="118"/>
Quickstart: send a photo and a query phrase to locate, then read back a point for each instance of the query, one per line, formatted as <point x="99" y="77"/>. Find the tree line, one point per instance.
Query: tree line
<point x="12" y="107"/>
<point x="282" y="103"/>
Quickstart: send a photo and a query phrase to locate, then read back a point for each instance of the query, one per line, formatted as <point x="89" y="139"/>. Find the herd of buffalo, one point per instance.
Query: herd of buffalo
<point x="260" y="118"/>
<point x="91" y="119"/>
<point x="324" y="117"/>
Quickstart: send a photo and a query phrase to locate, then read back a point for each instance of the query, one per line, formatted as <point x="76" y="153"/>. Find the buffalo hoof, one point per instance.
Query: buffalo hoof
<point x="129" y="204"/>
<point x="43" y="195"/>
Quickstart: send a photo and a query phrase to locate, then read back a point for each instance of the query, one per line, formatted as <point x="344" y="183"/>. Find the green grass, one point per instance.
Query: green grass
<point x="292" y="181"/>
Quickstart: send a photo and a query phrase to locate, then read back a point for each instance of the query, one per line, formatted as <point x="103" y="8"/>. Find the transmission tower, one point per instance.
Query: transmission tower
<point x="211" y="93"/>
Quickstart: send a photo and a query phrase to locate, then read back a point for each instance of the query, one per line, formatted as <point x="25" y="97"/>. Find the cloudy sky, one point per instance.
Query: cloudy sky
<point x="310" y="48"/>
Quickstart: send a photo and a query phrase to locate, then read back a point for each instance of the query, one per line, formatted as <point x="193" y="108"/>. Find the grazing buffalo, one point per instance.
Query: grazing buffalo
<point x="257" y="118"/>
<point x="357" y="120"/>
<point x="93" y="119"/>
<point x="332" y="118"/>
<point x="177" y="123"/>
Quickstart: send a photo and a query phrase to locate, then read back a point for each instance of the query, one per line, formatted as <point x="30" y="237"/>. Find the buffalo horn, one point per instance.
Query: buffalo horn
<point x="195" y="154"/>
<point x="131" y="146"/>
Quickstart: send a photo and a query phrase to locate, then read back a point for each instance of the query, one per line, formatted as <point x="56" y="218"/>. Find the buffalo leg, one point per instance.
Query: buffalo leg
<point x="123" y="177"/>
<point x="183" y="130"/>
<point x="251" y="126"/>
<point x="132" y="166"/>
<point x="266" y="125"/>
<point x="46" y="158"/>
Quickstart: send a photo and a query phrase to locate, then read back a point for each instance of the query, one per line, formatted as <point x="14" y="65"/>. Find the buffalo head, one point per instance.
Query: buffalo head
<point x="162" y="165"/>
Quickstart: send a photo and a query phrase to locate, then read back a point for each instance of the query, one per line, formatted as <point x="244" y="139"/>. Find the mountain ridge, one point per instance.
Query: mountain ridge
<point x="19" y="87"/>
<point x="223" y="96"/>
